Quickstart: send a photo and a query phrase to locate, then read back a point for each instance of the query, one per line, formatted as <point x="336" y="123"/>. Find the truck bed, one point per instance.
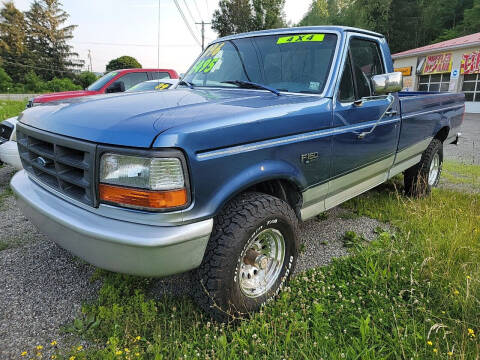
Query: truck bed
<point x="425" y="114"/>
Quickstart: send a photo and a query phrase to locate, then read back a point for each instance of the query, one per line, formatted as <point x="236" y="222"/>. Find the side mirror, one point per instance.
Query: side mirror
<point x="387" y="83"/>
<point x="117" y="86"/>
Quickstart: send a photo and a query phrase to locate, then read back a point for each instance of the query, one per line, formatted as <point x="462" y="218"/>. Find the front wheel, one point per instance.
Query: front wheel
<point x="421" y="178"/>
<point x="251" y="254"/>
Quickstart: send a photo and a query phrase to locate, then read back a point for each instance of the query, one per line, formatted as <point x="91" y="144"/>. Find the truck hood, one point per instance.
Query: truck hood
<point x="61" y="95"/>
<point x="135" y="119"/>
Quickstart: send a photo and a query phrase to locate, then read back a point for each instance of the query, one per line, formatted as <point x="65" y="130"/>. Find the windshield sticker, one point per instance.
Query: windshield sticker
<point x="208" y="60"/>
<point x="162" y="86"/>
<point x="205" y="65"/>
<point x="300" y="38"/>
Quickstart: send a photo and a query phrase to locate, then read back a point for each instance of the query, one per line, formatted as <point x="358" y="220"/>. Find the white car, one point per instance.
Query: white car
<point x="8" y="143"/>
<point x="151" y="85"/>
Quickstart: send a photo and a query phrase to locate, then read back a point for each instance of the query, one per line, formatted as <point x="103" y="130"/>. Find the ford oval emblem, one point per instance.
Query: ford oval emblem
<point x="42" y="161"/>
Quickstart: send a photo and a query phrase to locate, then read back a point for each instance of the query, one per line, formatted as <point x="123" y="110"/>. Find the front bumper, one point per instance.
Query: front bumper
<point x="115" y="245"/>
<point x="9" y="154"/>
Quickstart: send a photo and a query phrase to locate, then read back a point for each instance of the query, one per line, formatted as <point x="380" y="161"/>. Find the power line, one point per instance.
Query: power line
<point x="198" y="10"/>
<point x="189" y="12"/>
<point x="186" y="22"/>
<point x="208" y="11"/>
<point x="126" y="44"/>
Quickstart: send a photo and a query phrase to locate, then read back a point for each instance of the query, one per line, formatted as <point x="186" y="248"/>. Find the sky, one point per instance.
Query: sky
<point x="112" y="28"/>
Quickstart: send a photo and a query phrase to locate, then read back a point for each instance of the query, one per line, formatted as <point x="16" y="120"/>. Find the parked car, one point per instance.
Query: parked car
<point x="152" y="85"/>
<point x="112" y="82"/>
<point x="266" y="129"/>
<point x="8" y="144"/>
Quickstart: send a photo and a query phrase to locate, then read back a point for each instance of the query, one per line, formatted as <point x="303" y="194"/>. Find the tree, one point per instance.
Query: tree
<point x="47" y="39"/>
<point x="123" y="62"/>
<point x="86" y="78"/>
<point x="5" y="81"/>
<point x="236" y="16"/>
<point x="406" y="24"/>
<point x="13" y="47"/>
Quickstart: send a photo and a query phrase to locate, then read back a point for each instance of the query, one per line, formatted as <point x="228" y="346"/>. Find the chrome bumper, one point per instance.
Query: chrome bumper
<point x="115" y="245"/>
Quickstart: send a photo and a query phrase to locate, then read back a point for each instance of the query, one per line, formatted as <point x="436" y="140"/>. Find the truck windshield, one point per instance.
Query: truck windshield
<point x="293" y="63"/>
<point x="100" y="83"/>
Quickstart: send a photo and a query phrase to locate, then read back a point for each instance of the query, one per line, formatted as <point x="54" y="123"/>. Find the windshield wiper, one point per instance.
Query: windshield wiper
<point x="184" y="82"/>
<point x="252" y="85"/>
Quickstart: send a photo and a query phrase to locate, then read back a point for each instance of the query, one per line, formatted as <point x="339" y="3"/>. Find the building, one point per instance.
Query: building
<point x="452" y="65"/>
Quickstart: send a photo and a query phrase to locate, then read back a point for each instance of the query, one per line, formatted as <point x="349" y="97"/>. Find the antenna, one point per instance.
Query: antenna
<point x="158" y="38"/>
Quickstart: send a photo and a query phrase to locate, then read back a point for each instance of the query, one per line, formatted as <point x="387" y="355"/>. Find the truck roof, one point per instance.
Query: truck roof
<point x="300" y="29"/>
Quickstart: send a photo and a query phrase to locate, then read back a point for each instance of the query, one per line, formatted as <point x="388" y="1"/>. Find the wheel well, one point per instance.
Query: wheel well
<point x="442" y="134"/>
<point x="283" y="189"/>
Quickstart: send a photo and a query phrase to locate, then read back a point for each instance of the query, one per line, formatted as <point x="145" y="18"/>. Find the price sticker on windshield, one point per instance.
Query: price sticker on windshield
<point x="162" y="86"/>
<point x="208" y="60"/>
<point x="300" y="38"/>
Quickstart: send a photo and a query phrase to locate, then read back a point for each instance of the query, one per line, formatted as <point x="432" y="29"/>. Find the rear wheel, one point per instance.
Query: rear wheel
<point x="250" y="256"/>
<point x="421" y="178"/>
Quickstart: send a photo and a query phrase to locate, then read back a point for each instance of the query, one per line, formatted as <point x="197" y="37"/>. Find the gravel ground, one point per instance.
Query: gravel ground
<point x="468" y="149"/>
<point x="42" y="286"/>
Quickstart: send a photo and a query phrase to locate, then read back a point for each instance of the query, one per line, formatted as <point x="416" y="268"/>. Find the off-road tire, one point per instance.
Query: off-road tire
<point x="416" y="177"/>
<point x="215" y="289"/>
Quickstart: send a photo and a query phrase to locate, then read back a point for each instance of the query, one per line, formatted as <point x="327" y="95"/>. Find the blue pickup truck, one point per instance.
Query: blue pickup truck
<point x="266" y="129"/>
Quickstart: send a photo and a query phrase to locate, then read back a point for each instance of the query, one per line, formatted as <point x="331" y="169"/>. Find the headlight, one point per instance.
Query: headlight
<point x="142" y="182"/>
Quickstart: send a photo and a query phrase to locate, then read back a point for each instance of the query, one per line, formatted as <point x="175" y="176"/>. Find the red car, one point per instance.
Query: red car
<point x="114" y="81"/>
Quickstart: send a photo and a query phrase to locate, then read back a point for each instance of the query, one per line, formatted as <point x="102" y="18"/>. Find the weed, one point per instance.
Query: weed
<point x="458" y="173"/>
<point x="412" y="295"/>
<point x="322" y="216"/>
<point x="10" y="108"/>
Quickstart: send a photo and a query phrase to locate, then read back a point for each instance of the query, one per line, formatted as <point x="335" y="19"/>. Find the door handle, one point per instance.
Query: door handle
<point x="387" y="111"/>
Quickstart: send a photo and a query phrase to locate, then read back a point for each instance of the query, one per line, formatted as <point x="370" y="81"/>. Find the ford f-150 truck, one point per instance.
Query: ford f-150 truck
<point x="265" y="130"/>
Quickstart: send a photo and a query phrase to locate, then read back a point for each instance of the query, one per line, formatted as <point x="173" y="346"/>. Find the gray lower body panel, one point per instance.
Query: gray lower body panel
<point x="112" y="244"/>
<point x="328" y="195"/>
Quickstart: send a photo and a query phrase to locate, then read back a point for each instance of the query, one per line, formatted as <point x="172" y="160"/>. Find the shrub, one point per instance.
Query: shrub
<point x="64" y="84"/>
<point x="86" y="78"/>
<point x="123" y="62"/>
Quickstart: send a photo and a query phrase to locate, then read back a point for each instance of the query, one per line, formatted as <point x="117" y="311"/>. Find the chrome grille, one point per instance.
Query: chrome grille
<point x="64" y="164"/>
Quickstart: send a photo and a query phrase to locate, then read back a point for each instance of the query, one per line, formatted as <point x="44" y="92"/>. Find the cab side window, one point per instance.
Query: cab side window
<point x="347" y="89"/>
<point x="159" y="75"/>
<point x="366" y="62"/>
<point x="133" y="79"/>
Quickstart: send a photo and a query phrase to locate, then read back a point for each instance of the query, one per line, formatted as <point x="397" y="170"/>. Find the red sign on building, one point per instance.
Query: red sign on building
<point x="470" y="63"/>
<point x="436" y="64"/>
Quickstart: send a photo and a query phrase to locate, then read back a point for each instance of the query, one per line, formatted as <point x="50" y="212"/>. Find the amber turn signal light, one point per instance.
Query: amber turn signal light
<point x="143" y="198"/>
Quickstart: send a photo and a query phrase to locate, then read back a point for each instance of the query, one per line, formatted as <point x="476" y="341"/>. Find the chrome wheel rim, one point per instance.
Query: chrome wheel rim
<point x="261" y="263"/>
<point x="434" y="170"/>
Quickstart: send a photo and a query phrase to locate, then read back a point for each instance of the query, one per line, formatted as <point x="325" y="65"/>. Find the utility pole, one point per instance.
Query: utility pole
<point x="158" y="37"/>
<point x="203" y="23"/>
<point x="90" y="58"/>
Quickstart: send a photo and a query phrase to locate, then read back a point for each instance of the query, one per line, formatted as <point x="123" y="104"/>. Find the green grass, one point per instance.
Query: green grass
<point x="414" y="294"/>
<point x="458" y="173"/>
<point x="10" y="108"/>
<point x="5" y="194"/>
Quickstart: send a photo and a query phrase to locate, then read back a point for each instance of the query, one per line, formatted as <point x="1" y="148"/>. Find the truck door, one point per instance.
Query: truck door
<point x="361" y="161"/>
